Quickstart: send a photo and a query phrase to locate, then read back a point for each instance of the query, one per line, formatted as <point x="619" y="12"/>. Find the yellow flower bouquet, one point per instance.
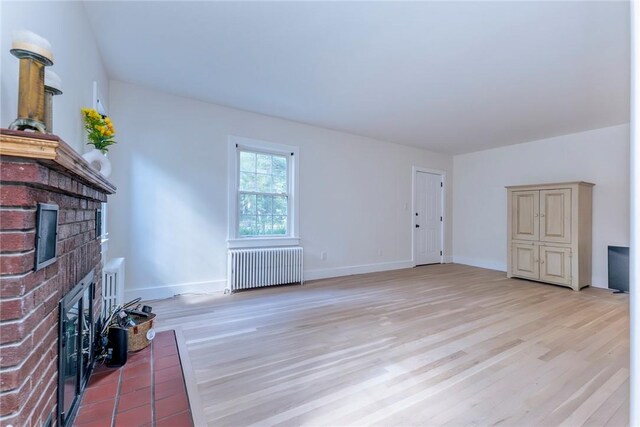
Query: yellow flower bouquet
<point x="99" y="129"/>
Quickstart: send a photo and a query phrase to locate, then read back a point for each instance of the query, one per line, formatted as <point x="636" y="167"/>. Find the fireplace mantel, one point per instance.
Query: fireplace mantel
<point x="52" y="151"/>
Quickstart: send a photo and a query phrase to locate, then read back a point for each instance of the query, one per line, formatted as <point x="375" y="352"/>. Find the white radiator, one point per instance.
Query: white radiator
<point x="112" y="285"/>
<point x="254" y="268"/>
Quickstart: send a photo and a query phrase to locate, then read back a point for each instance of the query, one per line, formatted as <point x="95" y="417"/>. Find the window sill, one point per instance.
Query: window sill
<point x="262" y="242"/>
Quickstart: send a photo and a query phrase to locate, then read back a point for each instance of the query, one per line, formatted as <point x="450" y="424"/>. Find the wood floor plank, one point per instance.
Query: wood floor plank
<point x="435" y="345"/>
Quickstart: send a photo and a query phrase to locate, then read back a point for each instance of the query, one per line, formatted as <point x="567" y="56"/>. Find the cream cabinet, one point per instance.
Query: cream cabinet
<point x="549" y="233"/>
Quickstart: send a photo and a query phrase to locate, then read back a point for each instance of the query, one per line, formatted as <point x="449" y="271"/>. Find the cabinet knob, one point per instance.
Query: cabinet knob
<point x="542" y="215"/>
<point x="542" y="262"/>
<point x="536" y="215"/>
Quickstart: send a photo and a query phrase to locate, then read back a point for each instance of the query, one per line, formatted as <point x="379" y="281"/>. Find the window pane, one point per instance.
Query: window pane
<point x="264" y="224"/>
<point x="264" y="163"/>
<point x="264" y="205"/>
<point x="279" y="166"/>
<point x="247" y="225"/>
<point x="279" y="225"/>
<point x="247" y="181"/>
<point x="247" y="204"/>
<point x="264" y="183"/>
<point x="264" y="213"/>
<point x="279" y="184"/>
<point x="280" y="205"/>
<point x="247" y="161"/>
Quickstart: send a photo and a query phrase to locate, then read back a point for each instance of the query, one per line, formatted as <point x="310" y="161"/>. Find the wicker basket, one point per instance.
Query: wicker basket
<point x="138" y="333"/>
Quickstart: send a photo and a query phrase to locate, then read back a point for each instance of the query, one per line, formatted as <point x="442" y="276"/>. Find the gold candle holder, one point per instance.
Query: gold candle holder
<point x="52" y="87"/>
<point x="34" y="53"/>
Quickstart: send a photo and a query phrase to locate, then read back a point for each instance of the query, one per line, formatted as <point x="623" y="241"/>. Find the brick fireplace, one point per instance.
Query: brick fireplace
<point x="37" y="168"/>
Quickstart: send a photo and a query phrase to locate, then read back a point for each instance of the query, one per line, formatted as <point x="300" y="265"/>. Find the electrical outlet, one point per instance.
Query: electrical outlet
<point x="379" y="252"/>
<point x="323" y="256"/>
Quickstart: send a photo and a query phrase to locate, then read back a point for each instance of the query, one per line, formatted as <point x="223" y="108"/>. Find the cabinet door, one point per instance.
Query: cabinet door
<point x="555" y="264"/>
<point x="524" y="215"/>
<point x="524" y="261"/>
<point x="555" y="216"/>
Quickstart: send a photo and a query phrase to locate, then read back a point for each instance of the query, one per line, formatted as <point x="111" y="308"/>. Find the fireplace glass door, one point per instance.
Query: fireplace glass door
<point x="75" y="347"/>
<point x="69" y="356"/>
<point x="87" y="331"/>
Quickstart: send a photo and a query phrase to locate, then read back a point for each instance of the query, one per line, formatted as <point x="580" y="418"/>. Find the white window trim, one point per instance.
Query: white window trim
<point x="235" y="241"/>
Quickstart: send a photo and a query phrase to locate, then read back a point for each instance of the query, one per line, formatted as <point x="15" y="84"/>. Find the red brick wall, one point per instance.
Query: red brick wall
<point x="29" y="299"/>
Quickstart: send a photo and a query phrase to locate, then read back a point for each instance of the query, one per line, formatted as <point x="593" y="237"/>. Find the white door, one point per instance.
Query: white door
<point x="428" y="220"/>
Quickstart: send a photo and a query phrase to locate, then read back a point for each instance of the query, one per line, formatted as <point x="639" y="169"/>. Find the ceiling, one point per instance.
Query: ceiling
<point x="452" y="77"/>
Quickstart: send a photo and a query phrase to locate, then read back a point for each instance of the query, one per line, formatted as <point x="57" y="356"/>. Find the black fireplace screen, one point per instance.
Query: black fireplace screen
<point x="75" y="348"/>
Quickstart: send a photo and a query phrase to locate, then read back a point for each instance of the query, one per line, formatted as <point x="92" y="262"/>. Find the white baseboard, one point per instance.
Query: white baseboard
<point x="215" y="286"/>
<point x="167" y="291"/>
<point x="596" y="281"/>
<point x="325" y="273"/>
<point x="482" y="263"/>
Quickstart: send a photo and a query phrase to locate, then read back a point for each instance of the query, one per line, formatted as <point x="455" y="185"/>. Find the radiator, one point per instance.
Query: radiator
<point x="254" y="268"/>
<point x="112" y="285"/>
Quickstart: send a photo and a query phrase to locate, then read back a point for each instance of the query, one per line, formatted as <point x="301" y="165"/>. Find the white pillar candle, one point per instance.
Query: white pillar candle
<point x="53" y="81"/>
<point x="31" y="42"/>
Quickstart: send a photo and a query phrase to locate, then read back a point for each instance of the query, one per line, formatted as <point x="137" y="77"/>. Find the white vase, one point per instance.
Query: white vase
<point x="98" y="161"/>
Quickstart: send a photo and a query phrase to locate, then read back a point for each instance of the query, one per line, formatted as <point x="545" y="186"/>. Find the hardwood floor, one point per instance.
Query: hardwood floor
<point x="434" y="345"/>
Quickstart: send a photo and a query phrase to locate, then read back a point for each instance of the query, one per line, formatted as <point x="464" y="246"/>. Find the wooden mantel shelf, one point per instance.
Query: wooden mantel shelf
<point x="54" y="152"/>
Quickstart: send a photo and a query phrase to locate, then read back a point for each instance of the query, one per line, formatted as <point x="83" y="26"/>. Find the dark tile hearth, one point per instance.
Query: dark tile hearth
<point x="149" y="390"/>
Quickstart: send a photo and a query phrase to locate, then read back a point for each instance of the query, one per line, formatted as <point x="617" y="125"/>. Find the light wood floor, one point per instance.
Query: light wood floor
<point x="435" y="345"/>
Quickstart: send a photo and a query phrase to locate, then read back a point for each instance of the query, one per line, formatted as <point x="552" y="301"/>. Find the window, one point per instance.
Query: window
<point x="263" y="194"/>
<point x="262" y="208"/>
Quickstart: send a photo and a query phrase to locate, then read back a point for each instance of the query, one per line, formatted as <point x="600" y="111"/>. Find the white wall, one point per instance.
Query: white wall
<point x="169" y="216"/>
<point x="76" y="60"/>
<point x="480" y="217"/>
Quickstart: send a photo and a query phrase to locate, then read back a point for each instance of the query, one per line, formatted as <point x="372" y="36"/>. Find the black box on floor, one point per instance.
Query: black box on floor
<point x="117" y="347"/>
